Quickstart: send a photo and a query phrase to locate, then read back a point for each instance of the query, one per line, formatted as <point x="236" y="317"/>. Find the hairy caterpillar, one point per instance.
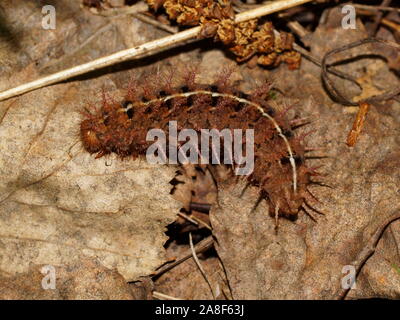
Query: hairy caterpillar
<point x="279" y="171"/>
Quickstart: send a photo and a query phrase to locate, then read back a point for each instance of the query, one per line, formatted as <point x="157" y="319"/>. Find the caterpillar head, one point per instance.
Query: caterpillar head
<point x="89" y="135"/>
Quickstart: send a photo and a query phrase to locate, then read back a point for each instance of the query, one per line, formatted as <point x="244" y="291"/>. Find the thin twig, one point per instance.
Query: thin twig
<point x="138" y="11"/>
<point x="201" y="207"/>
<point x="317" y="62"/>
<point x="200" y="247"/>
<point x="116" y="12"/>
<point x="185" y="216"/>
<point x="202" y="222"/>
<point x="377" y="19"/>
<point x="335" y="93"/>
<point x="240" y="6"/>
<point x="298" y="29"/>
<point x="163" y="296"/>
<point x="81" y="45"/>
<point x="369" y="249"/>
<point x="221" y="265"/>
<point x="199" y="265"/>
<point x="374" y="8"/>
<point x="142" y="50"/>
<point x="386" y="22"/>
<point x="146" y="19"/>
<point x="391" y="24"/>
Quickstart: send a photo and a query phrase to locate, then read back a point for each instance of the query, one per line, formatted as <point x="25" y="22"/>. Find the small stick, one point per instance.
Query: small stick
<point x="374" y="8"/>
<point x="298" y="29"/>
<point x="199" y="265"/>
<point x="202" y="246"/>
<point x="141" y="50"/>
<point x="331" y="88"/>
<point x="185" y="216"/>
<point x="146" y="19"/>
<point x="391" y="24"/>
<point x="358" y="124"/>
<point x="317" y="62"/>
<point x="377" y="19"/>
<point x="115" y="12"/>
<point x="203" y="223"/>
<point x="369" y="249"/>
<point x="163" y="296"/>
<point x="201" y="207"/>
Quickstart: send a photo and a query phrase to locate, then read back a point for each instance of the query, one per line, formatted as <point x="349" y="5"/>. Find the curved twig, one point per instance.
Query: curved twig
<point x="199" y="265"/>
<point x="335" y="93"/>
<point x="369" y="249"/>
<point x="143" y="50"/>
<point x="202" y="246"/>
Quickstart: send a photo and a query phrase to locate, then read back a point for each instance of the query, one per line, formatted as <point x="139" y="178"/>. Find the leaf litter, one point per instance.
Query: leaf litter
<point x="59" y="206"/>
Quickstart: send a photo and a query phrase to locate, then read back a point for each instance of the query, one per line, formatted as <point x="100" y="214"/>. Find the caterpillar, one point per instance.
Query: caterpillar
<point x="280" y="171"/>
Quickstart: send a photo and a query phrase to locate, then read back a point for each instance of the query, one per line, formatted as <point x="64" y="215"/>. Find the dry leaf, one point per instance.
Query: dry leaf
<point x="57" y="203"/>
<point x="87" y="279"/>
<point x="305" y="259"/>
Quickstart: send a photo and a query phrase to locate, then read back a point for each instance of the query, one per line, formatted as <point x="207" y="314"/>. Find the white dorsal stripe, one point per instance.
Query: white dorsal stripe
<point x="245" y="101"/>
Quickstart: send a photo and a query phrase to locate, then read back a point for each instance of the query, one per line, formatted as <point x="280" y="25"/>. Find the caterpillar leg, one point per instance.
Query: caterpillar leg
<point x="313" y="209"/>
<point x="309" y="214"/>
<point x="244" y="189"/>
<point x="260" y="198"/>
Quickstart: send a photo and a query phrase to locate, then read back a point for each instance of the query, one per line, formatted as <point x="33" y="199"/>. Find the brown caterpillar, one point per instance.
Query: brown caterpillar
<point x="279" y="167"/>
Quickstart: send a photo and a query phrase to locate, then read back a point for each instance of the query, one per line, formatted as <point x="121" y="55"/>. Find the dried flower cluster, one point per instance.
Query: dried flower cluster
<point x="245" y="39"/>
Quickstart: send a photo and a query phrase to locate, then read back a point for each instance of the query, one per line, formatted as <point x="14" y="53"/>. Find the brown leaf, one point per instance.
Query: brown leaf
<point x="305" y="259"/>
<point x="87" y="279"/>
<point x="58" y="204"/>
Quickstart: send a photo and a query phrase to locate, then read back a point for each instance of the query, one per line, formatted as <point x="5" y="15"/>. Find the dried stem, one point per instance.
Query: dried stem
<point x="185" y="216"/>
<point x="116" y="12"/>
<point x="205" y="224"/>
<point x="201" y="207"/>
<point x="317" y="62"/>
<point x="335" y="93"/>
<point x="146" y="19"/>
<point x="374" y="8"/>
<point x="199" y="265"/>
<point x="162" y="296"/>
<point x="369" y="249"/>
<point x="393" y="25"/>
<point x="377" y="20"/>
<point x="142" y="50"/>
<point x="202" y="246"/>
